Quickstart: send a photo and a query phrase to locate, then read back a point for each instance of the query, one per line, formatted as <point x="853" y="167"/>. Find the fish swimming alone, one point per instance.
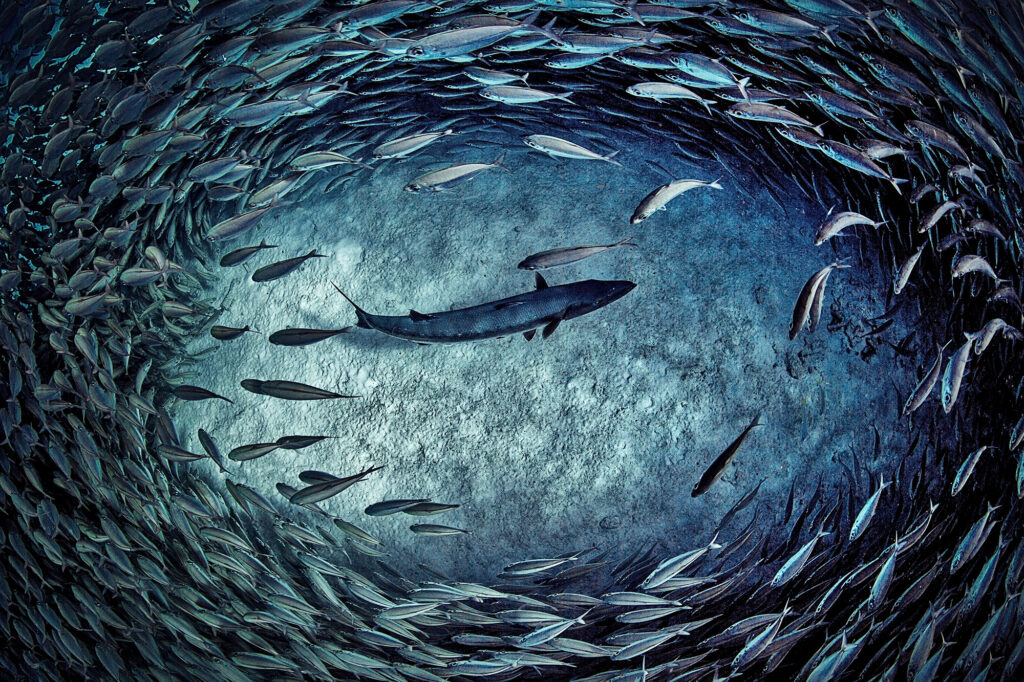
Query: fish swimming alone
<point x="239" y="256"/>
<point x="281" y="268"/>
<point x="227" y="333"/>
<point x="659" y="198"/>
<point x="565" y="255"/>
<point x="543" y="307"/>
<point x="714" y="472"/>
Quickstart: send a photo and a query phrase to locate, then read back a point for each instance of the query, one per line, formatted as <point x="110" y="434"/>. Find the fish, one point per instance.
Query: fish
<point x="671" y="567"/>
<point x="835" y="223"/>
<point x="963" y="474"/>
<point x="392" y="506"/>
<point x="903" y="273"/>
<point x="770" y="113"/>
<point x="232" y="227"/>
<point x="281" y="268"/>
<point x="557" y="147"/>
<point x="176" y="454"/>
<point x="299" y="442"/>
<point x="318" y="492"/>
<point x="355" y="532"/>
<point x="657" y="199"/>
<point x="492" y="77"/>
<point x="318" y="160"/>
<point x="460" y="41"/>
<point x="303" y="337"/>
<point x="450" y="176"/>
<point x="227" y="333"/>
<point x="435" y="529"/>
<point x="252" y="385"/>
<point x="966" y="263"/>
<point x="243" y="453"/>
<point x="211" y="449"/>
<point x="809" y="299"/>
<point x="927" y="383"/>
<point x="547" y="633"/>
<point x="954" y="374"/>
<point x="661" y="91"/>
<point x="795" y="564"/>
<point x="428" y="508"/>
<point x="403" y="146"/>
<point x="717" y="468"/>
<point x="566" y="255"/>
<point x="867" y="512"/>
<point x="756" y="645"/>
<point x="189" y="392"/>
<point x="931" y="219"/>
<point x="292" y="390"/>
<point x="543" y="307"/>
<point x="517" y="94"/>
<point x="858" y="161"/>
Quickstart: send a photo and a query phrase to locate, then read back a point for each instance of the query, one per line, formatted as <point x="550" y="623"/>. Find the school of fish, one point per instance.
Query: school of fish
<point x="145" y="143"/>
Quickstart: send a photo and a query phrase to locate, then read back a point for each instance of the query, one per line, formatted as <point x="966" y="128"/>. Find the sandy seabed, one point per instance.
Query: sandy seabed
<point x="593" y="437"/>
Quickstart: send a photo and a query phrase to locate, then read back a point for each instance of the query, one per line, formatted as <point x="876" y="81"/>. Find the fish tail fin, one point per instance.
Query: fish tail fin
<point x="716" y="183"/>
<point x="628" y="241"/>
<point x="361" y="314"/>
<point x="818" y="130"/>
<point x="611" y="158"/>
<point x="756" y="421"/>
<point x="499" y="162"/>
<point x="714" y="544"/>
<point x="742" y="85"/>
<point x="529" y="23"/>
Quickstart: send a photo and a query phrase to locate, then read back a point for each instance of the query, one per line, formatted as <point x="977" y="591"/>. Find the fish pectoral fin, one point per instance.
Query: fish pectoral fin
<point x="541" y="282"/>
<point x="419" y="317"/>
<point x="528" y="335"/>
<point x="551" y="326"/>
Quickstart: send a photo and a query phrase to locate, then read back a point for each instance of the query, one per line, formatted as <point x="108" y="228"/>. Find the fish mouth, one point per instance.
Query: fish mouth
<point x="621" y="288"/>
<point x="613" y="291"/>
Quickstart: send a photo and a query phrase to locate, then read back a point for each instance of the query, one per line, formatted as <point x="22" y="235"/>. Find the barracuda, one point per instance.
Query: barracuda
<point x="543" y="307"/>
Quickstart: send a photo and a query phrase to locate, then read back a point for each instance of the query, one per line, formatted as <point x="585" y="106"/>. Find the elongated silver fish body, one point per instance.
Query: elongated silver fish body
<point x="542" y="307"/>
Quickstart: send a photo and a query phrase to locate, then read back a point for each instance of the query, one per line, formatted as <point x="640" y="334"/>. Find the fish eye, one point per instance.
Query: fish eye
<point x="415" y="51"/>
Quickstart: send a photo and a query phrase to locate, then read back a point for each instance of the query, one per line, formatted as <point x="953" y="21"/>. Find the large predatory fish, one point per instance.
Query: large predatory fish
<point x="543" y="307"/>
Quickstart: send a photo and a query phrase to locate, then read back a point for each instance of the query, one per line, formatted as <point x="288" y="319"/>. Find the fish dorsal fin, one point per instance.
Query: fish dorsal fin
<point x="541" y="282"/>
<point x="419" y="317"/>
<point x="530" y="334"/>
<point x="550" y="327"/>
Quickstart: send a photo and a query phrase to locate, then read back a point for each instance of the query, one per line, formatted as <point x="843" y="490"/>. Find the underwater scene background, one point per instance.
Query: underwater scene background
<point x="581" y="339"/>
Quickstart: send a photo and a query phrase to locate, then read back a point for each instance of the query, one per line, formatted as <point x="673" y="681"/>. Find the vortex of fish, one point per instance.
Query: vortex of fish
<point x="139" y="137"/>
